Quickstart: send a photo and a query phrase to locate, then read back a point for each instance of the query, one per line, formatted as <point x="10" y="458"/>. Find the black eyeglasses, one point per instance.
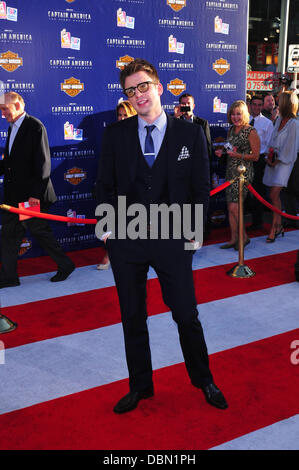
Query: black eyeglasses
<point x="142" y="87"/>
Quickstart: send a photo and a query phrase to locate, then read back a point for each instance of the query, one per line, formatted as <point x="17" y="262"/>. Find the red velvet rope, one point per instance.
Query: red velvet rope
<point x="220" y="188"/>
<point x="274" y="209"/>
<point x="43" y="215"/>
<point x="73" y="220"/>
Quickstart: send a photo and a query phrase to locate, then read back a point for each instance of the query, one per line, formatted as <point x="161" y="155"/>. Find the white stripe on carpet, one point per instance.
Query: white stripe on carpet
<point x="283" y="435"/>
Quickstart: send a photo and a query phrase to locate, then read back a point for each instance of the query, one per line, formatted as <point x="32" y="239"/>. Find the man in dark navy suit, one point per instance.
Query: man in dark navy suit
<point x="152" y="159"/>
<point x="26" y="168"/>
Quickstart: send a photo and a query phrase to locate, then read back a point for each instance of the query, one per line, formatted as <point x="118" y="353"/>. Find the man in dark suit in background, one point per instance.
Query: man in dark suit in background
<point x="26" y="168"/>
<point x="185" y="111"/>
<point x="151" y="159"/>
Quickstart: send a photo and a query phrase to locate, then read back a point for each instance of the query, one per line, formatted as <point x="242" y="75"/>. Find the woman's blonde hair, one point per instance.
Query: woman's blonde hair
<point x="288" y="104"/>
<point x="244" y="111"/>
<point x="130" y="111"/>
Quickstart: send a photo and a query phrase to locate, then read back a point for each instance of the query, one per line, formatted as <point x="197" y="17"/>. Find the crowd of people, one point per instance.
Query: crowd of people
<point x="151" y="157"/>
<point x="268" y="147"/>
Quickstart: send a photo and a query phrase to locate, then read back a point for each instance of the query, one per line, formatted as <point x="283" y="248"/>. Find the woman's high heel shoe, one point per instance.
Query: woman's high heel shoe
<point x="280" y="232"/>
<point x="245" y="244"/>
<point x="228" y="245"/>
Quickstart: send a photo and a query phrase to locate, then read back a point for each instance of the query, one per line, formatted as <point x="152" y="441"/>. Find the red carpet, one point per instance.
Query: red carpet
<point x="98" y="308"/>
<point x="44" y="264"/>
<point x="255" y="378"/>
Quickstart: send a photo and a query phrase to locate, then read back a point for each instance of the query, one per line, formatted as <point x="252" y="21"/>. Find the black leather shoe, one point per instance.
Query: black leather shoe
<point x="130" y="401"/>
<point x="62" y="275"/>
<point x="214" y="396"/>
<point x="4" y="283"/>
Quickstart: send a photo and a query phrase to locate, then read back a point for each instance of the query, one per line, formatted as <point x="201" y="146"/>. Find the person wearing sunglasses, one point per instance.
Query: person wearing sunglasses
<point x="153" y="158"/>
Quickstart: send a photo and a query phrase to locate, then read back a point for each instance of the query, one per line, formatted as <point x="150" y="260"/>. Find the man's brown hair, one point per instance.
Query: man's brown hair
<point x="257" y="97"/>
<point x="138" y="65"/>
<point x="186" y="95"/>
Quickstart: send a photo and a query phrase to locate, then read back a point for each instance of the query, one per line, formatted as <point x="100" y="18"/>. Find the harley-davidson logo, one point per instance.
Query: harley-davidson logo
<point x="123" y="61"/>
<point x="72" y="86"/>
<point x="75" y="176"/>
<point x="176" y="5"/>
<point x="25" y="246"/>
<point x="10" y="61"/>
<point x="221" y="66"/>
<point x="176" y="86"/>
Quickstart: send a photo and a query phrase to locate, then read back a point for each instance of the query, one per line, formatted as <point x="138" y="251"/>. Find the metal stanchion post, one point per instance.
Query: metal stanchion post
<point x="241" y="270"/>
<point x="6" y="324"/>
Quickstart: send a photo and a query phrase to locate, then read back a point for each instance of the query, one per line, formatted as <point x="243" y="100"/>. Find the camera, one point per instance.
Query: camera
<point x="226" y="147"/>
<point x="284" y="80"/>
<point x="185" y="109"/>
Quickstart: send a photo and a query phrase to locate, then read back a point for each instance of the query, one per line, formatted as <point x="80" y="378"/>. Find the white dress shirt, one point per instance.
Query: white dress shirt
<point x="264" y="128"/>
<point x="157" y="133"/>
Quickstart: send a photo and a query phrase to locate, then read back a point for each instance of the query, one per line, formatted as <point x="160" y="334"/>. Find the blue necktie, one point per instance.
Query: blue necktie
<point x="149" y="150"/>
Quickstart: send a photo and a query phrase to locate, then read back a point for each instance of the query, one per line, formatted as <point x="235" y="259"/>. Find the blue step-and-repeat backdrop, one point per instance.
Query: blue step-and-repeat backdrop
<point x="64" y="58"/>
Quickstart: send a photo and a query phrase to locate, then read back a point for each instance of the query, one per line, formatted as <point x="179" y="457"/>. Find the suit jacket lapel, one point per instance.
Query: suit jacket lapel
<point x="132" y="146"/>
<point x="172" y="148"/>
<point x="6" y="150"/>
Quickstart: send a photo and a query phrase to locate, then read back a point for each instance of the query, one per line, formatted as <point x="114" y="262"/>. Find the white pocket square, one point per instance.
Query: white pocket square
<point x="184" y="153"/>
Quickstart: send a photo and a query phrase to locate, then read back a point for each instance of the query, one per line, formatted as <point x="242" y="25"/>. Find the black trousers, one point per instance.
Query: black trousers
<point x="130" y="261"/>
<point x="12" y="234"/>
<point x="256" y="207"/>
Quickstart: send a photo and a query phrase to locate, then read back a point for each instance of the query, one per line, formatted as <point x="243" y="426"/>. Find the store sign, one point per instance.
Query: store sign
<point x="262" y="81"/>
<point x="293" y="58"/>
